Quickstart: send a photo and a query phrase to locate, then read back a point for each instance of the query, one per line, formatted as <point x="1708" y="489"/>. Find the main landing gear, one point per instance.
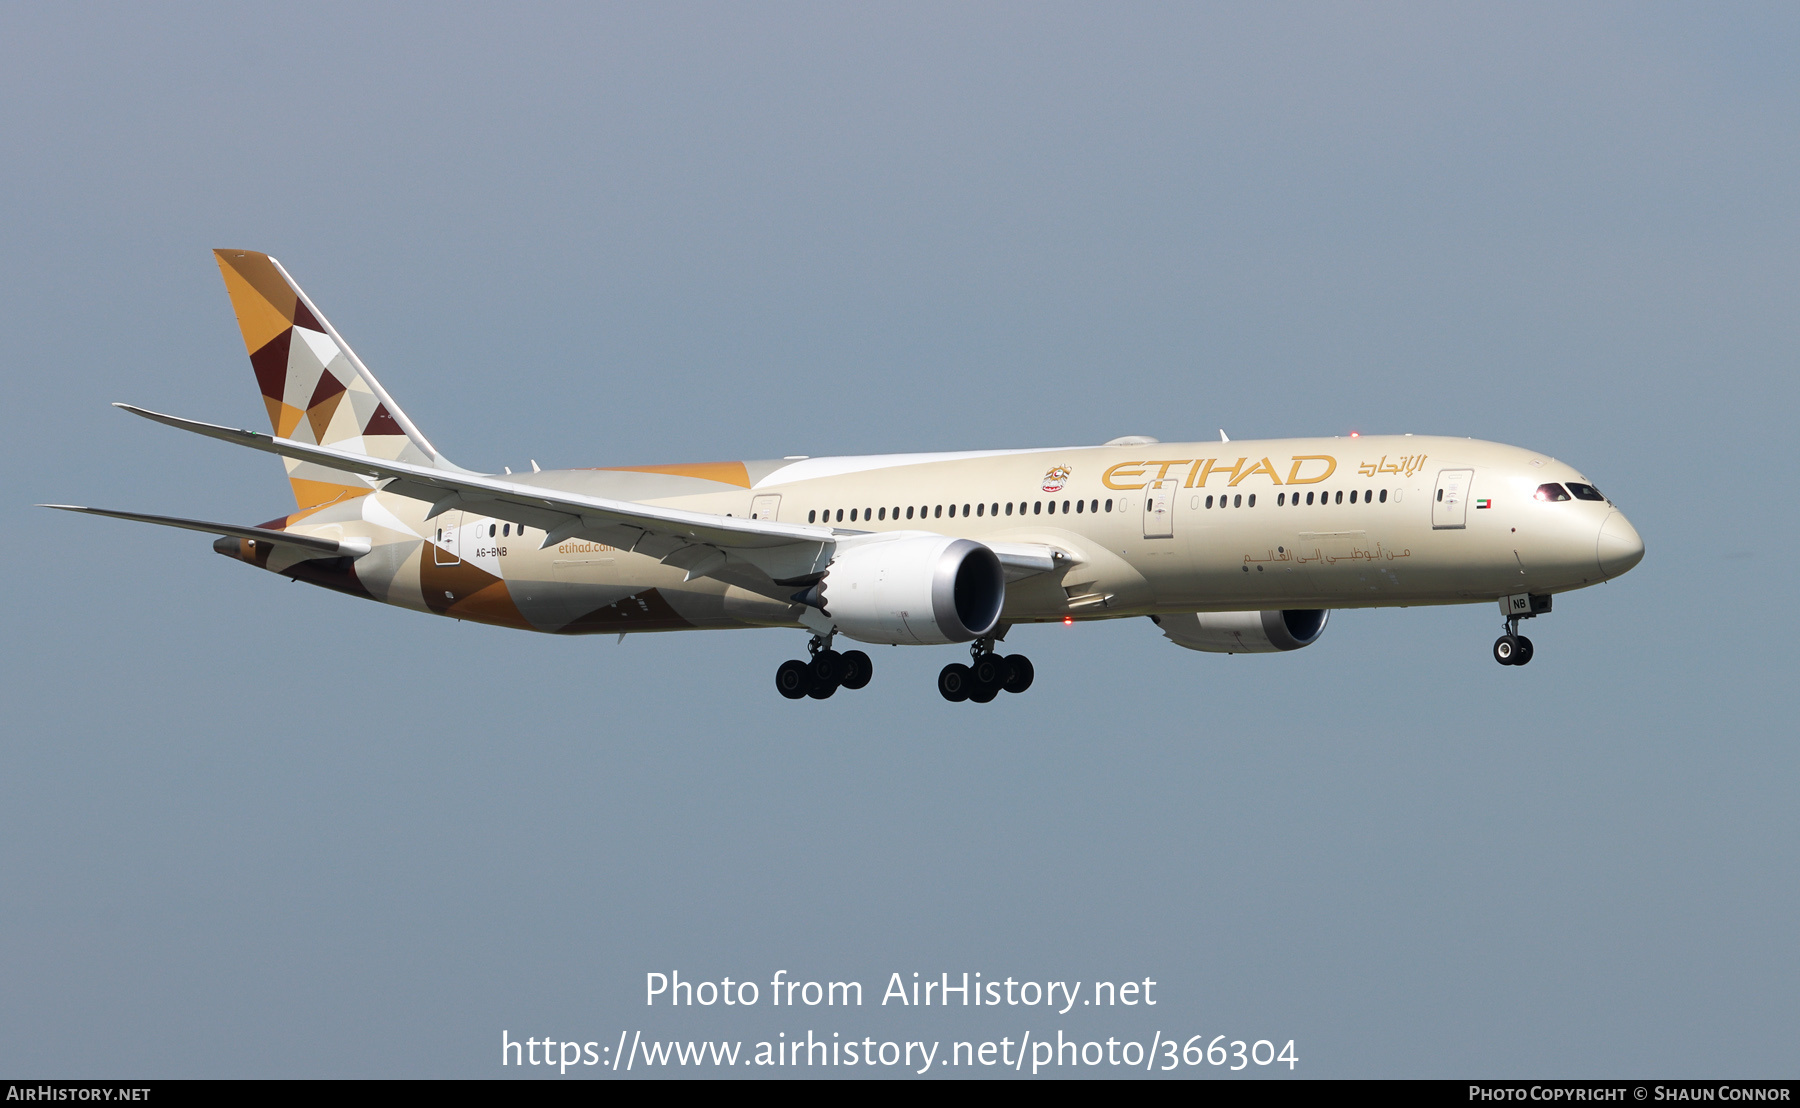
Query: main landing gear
<point x="824" y="672"/>
<point x="986" y="675"/>
<point x="1512" y="648"/>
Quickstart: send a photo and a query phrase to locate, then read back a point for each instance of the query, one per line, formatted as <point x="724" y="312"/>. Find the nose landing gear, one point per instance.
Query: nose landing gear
<point x="1512" y="648"/>
<point x="986" y="676"/>
<point x="824" y="672"/>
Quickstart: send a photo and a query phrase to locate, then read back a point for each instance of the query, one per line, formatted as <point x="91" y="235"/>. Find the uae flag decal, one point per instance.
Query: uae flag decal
<point x="1484" y="503"/>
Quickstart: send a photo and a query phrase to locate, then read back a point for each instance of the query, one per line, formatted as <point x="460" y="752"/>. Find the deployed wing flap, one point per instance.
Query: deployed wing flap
<point x="331" y="547"/>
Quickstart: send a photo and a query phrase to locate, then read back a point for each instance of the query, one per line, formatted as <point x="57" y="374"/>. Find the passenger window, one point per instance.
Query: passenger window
<point x="812" y="516"/>
<point x="1065" y="507"/>
<point x="1209" y="502"/>
<point x="1384" y="496"/>
<point x="909" y="511"/>
<point x="881" y="514"/>
<point x="1281" y="499"/>
<point x="493" y="530"/>
<point x="981" y="509"/>
<point x="1309" y="497"/>
<point x="1109" y="505"/>
<point x="1096" y="506"/>
<point x="1440" y="496"/>
<point x="1037" y="507"/>
<point x="505" y="529"/>
<point x="1552" y="492"/>
<point x="993" y="509"/>
<point x="1237" y="501"/>
<point x="1366" y="495"/>
<point x="939" y="511"/>
<point x="840" y="515"/>
<point x="1009" y="507"/>
<point x="1585" y="492"/>
<point x="1340" y="496"/>
<point x="1253" y="504"/>
<point x="1352" y="496"/>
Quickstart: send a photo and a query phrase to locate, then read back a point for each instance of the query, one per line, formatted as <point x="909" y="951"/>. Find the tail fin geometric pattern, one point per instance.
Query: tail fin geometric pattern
<point x="315" y="387"/>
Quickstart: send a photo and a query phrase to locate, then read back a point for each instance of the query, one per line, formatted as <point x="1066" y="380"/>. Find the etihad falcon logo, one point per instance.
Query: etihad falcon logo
<point x="1056" y="479"/>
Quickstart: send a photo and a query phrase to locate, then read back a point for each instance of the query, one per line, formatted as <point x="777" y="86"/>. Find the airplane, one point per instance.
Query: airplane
<point x="1228" y="547"/>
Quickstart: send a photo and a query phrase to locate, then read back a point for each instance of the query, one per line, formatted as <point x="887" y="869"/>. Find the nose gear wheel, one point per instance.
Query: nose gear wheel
<point x="1512" y="648"/>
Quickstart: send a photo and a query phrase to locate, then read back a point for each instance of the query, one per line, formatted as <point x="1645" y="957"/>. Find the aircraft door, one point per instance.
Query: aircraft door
<point x="1159" y="509"/>
<point x="765" y="507"/>
<point x="1450" y="505"/>
<point x="446" y="542"/>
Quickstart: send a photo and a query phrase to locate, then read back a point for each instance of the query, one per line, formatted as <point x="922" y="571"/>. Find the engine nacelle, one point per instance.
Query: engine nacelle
<point x="1245" y="632"/>
<point x="916" y="591"/>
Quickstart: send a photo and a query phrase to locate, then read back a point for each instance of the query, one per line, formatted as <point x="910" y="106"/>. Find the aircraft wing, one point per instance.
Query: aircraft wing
<point x="703" y="544"/>
<point x="237" y="531"/>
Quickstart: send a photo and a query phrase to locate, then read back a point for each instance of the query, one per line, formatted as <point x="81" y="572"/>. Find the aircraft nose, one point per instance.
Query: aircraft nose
<point x="1619" y="547"/>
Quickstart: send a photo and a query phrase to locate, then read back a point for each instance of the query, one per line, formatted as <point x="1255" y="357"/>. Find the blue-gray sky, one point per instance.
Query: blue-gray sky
<point x="254" y="828"/>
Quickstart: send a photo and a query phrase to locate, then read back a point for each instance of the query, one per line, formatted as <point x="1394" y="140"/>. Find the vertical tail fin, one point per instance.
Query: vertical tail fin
<point x="315" y="387"/>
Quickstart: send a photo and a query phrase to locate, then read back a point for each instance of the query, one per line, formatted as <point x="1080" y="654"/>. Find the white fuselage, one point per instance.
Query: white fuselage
<point x="1147" y="528"/>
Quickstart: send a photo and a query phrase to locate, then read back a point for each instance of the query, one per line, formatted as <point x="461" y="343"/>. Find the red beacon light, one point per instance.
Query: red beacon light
<point x="1068" y="621"/>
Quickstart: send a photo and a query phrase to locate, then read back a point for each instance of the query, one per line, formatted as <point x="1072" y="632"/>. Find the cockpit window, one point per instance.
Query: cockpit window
<point x="1552" y="492"/>
<point x="1585" y="492"/>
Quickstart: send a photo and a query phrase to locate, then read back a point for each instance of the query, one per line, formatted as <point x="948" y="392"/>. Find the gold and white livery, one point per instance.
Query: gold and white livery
<point x="1232" y="547"/>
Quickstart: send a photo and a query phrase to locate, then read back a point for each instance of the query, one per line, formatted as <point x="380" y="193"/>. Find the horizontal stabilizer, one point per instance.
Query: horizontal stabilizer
<point x="352" y="547"/>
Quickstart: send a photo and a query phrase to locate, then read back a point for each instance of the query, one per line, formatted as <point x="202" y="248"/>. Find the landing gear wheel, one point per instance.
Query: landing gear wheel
<point x="827" y="668"/>
<point x="954" y="682"/>
<point x="1018" y="673"/>
<point x="982" y="694"/>
<point x="1523" y="653"/>
<point x="857" y="669"/>
<point x="1506" y="650"/>
<point x="989" y="670"/>
<point x="822" y="690"/>
<point x="793" y="679"/>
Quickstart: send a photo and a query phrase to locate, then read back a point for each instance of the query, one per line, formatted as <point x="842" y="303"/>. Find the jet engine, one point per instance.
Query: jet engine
<point x="917" y="591"/>
<point x="1245" y="632"/>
